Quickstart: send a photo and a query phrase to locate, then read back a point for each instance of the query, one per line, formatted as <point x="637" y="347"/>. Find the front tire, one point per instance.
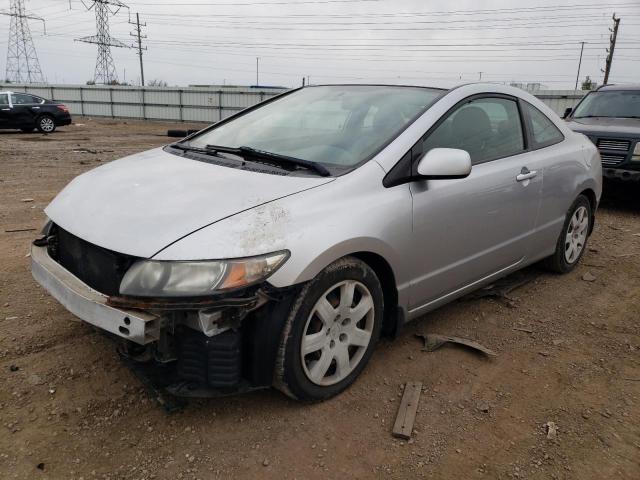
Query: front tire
<point x="46" y="124"/>
<point x="573" y="238"/>
<point x="331" y="331"/>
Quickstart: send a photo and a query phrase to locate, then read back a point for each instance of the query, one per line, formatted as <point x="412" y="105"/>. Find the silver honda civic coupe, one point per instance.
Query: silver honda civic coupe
<point x="275" y="247"/>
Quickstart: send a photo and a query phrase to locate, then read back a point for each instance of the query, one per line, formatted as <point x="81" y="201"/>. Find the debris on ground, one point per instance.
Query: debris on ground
<point x="433" y="341"/>
<point x="407" y="410"/>
<point x="16" y="230"/>
<point x="524" y="329"/>
<point x="589" y="277"/>
<point x="483" y="406"/>
<point x="27" y="200"/>
<point x="84" y="150"/>
<point x="34" y="379"/>
<point x="502" y="288"/>
<point x="552" y="429"/>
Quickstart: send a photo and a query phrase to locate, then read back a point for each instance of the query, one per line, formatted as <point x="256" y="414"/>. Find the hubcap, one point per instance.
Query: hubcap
<point x="46" y="124"/>
<point x="337" y="333"/>
<point x="576" y="234"/>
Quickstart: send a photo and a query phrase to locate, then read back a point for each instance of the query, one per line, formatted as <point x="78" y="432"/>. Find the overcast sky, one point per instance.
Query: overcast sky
<point x="425" y="42"/>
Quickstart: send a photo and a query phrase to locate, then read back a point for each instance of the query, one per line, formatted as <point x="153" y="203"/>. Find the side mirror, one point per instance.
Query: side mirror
<point x="444" y="163"/>
<point x="567" y="112"/>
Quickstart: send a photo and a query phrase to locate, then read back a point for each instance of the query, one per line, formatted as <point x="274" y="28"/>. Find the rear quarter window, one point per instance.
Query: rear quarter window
<point x="543" y="131"/>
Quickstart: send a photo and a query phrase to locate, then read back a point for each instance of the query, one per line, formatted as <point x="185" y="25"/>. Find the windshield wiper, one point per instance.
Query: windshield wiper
<point x="187" y="148"/>
<point x="261" y="154"/>
<point x="282" y="159"/>
<point x="221" y="148"/>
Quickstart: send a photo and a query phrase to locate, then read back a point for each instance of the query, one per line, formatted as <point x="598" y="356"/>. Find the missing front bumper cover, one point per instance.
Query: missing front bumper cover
<point x="90" y="305"/>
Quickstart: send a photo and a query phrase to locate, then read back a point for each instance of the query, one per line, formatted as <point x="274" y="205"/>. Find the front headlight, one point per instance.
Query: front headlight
<point x="151" y="278"/>
<point x="636" y="153"/>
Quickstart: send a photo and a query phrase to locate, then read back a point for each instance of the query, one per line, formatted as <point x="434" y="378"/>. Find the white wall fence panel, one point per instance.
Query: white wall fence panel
<point x="192" y="104"/>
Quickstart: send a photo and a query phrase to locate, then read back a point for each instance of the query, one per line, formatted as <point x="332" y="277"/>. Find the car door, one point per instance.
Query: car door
<point x="5" y="110"/>
<point x="467" y="229"/>
<point x="25" y="109"/>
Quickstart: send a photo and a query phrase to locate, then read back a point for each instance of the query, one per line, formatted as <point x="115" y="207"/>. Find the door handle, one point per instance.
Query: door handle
<point x="526" y="174"/>
<point x="35" y="108"/>
<point x="6" y="109"/>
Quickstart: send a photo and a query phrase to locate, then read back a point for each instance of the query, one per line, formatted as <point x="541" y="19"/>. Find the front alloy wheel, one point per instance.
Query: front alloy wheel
<point x="337" y="333"/>
<point x="331" y="331"/>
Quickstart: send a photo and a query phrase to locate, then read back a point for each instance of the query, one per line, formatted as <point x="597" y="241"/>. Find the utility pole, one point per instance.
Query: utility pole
<point x="105" y="67"/>
<point x="480" y="76"/>
<point x="579" y="65"/>
<point x="612" y="46"/>
<point x="22" y="60"/>
<point x="138" y="33"/>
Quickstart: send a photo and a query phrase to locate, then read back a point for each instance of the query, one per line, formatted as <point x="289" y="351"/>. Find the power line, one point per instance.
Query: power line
<point x="22" y="59"/>
<point x="105" y="71"/>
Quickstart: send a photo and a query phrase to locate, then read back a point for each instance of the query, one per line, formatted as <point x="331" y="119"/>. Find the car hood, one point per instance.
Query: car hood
<point x="140" y="204"/>
<point x="607" y="126"/>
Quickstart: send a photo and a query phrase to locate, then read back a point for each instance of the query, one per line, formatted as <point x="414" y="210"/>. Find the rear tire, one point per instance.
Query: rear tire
<point x="573" y="238"/>
<point x="331" y="331"/>
<point x="46" y="124"/>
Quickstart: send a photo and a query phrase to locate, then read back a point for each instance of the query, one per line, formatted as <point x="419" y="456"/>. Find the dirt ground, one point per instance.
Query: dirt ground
<point x="568" y="353"/>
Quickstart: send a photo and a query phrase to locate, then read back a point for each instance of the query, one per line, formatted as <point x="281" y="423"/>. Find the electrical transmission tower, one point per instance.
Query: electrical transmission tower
<point x="22" y="59"/>
<point x="105" y="68"/>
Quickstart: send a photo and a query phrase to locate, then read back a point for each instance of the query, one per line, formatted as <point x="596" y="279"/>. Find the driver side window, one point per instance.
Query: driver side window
<point x="488" y="128"/>
<point x="4" y="99"/>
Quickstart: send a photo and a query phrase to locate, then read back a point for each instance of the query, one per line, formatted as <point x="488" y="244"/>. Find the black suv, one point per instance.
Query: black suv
<point x="27" y="112"/>
<point x="610" y="117"/>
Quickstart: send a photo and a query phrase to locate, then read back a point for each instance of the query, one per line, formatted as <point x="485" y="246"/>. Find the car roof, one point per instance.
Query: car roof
<point x="613" y="87"/>
<point x="384" y="85"/>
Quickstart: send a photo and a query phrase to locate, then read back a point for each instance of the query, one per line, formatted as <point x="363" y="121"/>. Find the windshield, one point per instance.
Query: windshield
<point x="338" y="126"/>
<point x="620" y="103"/>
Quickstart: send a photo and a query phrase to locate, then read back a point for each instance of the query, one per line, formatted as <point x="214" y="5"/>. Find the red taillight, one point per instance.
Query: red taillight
<point x="63" y="108"/>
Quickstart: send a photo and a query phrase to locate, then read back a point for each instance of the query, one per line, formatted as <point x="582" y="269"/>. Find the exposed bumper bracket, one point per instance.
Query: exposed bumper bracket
<point x="90" y="305"/>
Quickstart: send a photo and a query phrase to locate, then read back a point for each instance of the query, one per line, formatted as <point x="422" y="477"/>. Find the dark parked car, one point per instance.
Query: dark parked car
<point x="610" y="117"/>
<point x="27" y="112"/>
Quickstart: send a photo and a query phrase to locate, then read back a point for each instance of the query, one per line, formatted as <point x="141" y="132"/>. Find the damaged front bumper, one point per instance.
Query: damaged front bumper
<point x="89" y="305"/>
<point x="196" y="348"/>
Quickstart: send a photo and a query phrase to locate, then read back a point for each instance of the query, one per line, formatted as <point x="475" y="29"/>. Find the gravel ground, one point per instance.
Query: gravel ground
<point x="568" y="353"/>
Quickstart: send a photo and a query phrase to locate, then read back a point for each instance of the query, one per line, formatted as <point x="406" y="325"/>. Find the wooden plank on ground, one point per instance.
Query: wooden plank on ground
<point x="407" y="411"/>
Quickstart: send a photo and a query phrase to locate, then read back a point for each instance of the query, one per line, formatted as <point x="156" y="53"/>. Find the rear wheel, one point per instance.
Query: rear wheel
<point x="331" y="331"/>
<point x="573" y="238"/>
<point x="46" y="124"/>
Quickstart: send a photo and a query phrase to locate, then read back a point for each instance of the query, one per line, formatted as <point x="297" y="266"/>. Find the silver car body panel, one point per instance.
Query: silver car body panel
<point x="441" y="238"/>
